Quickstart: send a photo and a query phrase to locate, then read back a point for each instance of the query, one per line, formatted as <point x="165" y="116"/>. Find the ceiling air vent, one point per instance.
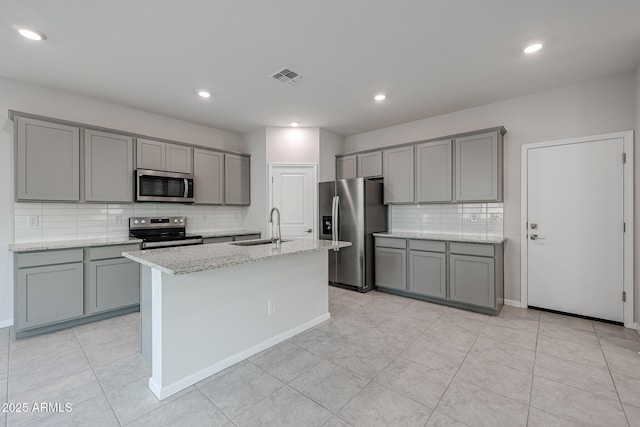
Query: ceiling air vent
<point x="287" y="76"/>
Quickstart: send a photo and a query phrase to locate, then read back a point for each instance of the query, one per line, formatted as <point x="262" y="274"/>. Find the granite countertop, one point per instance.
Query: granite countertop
<point x="70" y="244"/>
<point x="224" y="233"/>
<point x="442" y="236"/>
<point x="192" y="259"/>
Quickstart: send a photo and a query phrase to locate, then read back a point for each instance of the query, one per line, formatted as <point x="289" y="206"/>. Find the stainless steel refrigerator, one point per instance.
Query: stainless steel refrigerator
<point x="352" y="210"/>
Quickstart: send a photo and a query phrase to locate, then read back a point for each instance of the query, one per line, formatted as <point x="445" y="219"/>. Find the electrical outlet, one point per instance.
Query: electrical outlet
<point x="117" y="219"/>
<point x="34" y="220"/>
<point x="474" y="218"/>
<point x="204" y="218"/>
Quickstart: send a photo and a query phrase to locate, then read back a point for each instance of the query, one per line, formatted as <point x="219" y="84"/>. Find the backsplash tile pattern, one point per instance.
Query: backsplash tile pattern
<point x="36" y="222"/>
<point x="469" y="219"/>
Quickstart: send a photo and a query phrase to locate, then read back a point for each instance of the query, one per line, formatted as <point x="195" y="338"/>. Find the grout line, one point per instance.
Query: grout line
<point x="96" y="377"/>
<point x="533" y="371"/>
<point x="612" y="380"/>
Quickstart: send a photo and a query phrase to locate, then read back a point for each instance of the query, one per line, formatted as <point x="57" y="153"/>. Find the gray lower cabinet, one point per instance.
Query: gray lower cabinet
<point x="48" y="160"/>
<point x="236" y="180"/>
<point x="478" y="168"/>
<point x="369" y="164"/>
<point x="346" y="167"/>
<point x="434" y="165"/>
<point x="208" y="171"/>
<point x="465" y="275"/>
<point x="391" y="263"/>
<point x="108" y="167"/>
<point x="112" y="283"/>
<point x="397" y="165"/>
<point x="472" y="280"/>
<point x="56" y="287"/>
<point x="428" y="273"/>
<point x="48" y="287"/>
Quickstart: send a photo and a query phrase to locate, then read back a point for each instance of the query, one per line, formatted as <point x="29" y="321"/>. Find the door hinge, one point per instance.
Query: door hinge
<point x="624" y="157"/>
<point x="624" y="227"/>
<point x="624" y="296"/>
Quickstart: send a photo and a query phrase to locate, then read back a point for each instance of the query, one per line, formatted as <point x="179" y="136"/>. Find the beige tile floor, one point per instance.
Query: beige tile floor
<point x="380" y="360"/>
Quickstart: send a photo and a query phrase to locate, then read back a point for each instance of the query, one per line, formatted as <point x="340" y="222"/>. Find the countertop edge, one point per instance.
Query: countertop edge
<point x="69" y="244"/>
<point x="230" y="263"/>
<point x="441" y="237"/>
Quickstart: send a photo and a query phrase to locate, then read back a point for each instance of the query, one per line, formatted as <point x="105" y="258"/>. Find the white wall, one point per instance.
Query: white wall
<point x="330" y="145"/>
<point x="255" y="144"/>
<point x="292" y="145"/>
<point x="637" y="198"/>
<point x="588" y="108"/>
<point x="52" y="103"/>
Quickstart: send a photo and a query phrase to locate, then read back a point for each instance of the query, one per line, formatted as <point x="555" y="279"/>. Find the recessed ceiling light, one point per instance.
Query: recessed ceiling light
<point x="294" y="124"/>
<point x="31" y="34"/>
<point x="204" y="94"/>
<point x="380" y="97"/>
<point x="532" y="48"/>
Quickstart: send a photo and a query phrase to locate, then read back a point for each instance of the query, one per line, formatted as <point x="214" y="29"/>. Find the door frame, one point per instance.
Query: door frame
<point x="314" y="167"/>
<point x="628" y="202"/>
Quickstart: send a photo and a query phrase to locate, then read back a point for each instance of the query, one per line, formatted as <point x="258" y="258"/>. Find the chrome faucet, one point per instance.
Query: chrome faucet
<point x="278" y="238"/>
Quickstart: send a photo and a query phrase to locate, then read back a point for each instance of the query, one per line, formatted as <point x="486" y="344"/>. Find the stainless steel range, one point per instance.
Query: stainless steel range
<point x="162" y="232"/>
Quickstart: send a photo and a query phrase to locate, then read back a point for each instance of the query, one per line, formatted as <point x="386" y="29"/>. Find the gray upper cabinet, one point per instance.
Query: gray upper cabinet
<point x="398" y="175"/>
<point x="108" y="167"/>
<point x="478" y="168"/>
<point x="163" y="156"/>
<point x="236" y="180"/>
<point x="150" y="154"/>
<point x="48" y="160"/>
<point x="178" y="158"/>
<point x="208" y="170"/>
<point x="434" y="164"/>
<point x="369" y="164"/>
<point x="346" y="167"/>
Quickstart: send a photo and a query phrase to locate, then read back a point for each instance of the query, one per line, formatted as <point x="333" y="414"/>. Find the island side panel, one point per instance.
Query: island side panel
<point x="214" y="319"/>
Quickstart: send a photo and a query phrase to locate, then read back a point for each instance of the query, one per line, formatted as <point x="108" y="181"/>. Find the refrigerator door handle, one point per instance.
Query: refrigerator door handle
<point x="335" y="227"/>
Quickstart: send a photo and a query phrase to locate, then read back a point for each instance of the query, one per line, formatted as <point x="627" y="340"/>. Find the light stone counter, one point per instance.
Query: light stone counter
<point x="192" y="259"/>
<point x="445" y="237"/>
<point x="70" y="244"/>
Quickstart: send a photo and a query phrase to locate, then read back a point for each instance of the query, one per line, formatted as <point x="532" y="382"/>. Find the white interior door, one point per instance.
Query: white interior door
<point x="575" y="239"/>
<point x="294" y="192"/>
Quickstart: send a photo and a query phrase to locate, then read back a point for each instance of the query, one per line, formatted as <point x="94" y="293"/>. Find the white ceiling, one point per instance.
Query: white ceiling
<point x="429" y="56"/>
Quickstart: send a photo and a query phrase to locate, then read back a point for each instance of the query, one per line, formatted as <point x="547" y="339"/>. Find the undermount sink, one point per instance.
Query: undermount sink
<point x="255" y="242"/>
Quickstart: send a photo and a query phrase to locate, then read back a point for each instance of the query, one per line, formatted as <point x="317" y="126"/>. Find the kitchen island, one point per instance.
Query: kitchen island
<point x="207" y="307"/>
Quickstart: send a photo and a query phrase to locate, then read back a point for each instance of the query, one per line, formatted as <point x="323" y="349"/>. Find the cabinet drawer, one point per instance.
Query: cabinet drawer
<point x="246" y="237"/>
<point x="388" y="242"/>
<point x="471" y="249"/>
<point x="105" y="252"/>
<point x="49" y="258"/>
<point x="427" y="245"/>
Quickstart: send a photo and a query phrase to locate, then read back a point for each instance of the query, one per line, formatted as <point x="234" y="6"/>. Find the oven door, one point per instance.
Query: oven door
<point x="160" y="186"/>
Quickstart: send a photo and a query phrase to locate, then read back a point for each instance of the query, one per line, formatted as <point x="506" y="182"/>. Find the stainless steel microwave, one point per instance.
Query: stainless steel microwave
<point x="161" y="186"/>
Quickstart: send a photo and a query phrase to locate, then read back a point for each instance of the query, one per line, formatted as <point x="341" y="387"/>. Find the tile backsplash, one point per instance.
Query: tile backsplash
<point x="35" y="222"/>
<point x="470" y="219"/>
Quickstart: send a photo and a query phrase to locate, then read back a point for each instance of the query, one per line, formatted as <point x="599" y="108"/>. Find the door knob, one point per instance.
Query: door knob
<point x="310" y="230"/>
<point x="535" y="237"/>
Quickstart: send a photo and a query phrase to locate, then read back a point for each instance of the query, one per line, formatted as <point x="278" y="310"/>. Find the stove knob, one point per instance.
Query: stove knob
<point x="143" y="221"/>
<point x="175" y="220"/>
<point x="180" y="221"/>
<point x="136" y="221"/>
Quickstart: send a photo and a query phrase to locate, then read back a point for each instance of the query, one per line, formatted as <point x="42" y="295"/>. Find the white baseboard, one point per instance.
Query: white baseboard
<point x="6" y="323"/>
<point x="171" y="389"/>
<point x="512" y="303"/>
